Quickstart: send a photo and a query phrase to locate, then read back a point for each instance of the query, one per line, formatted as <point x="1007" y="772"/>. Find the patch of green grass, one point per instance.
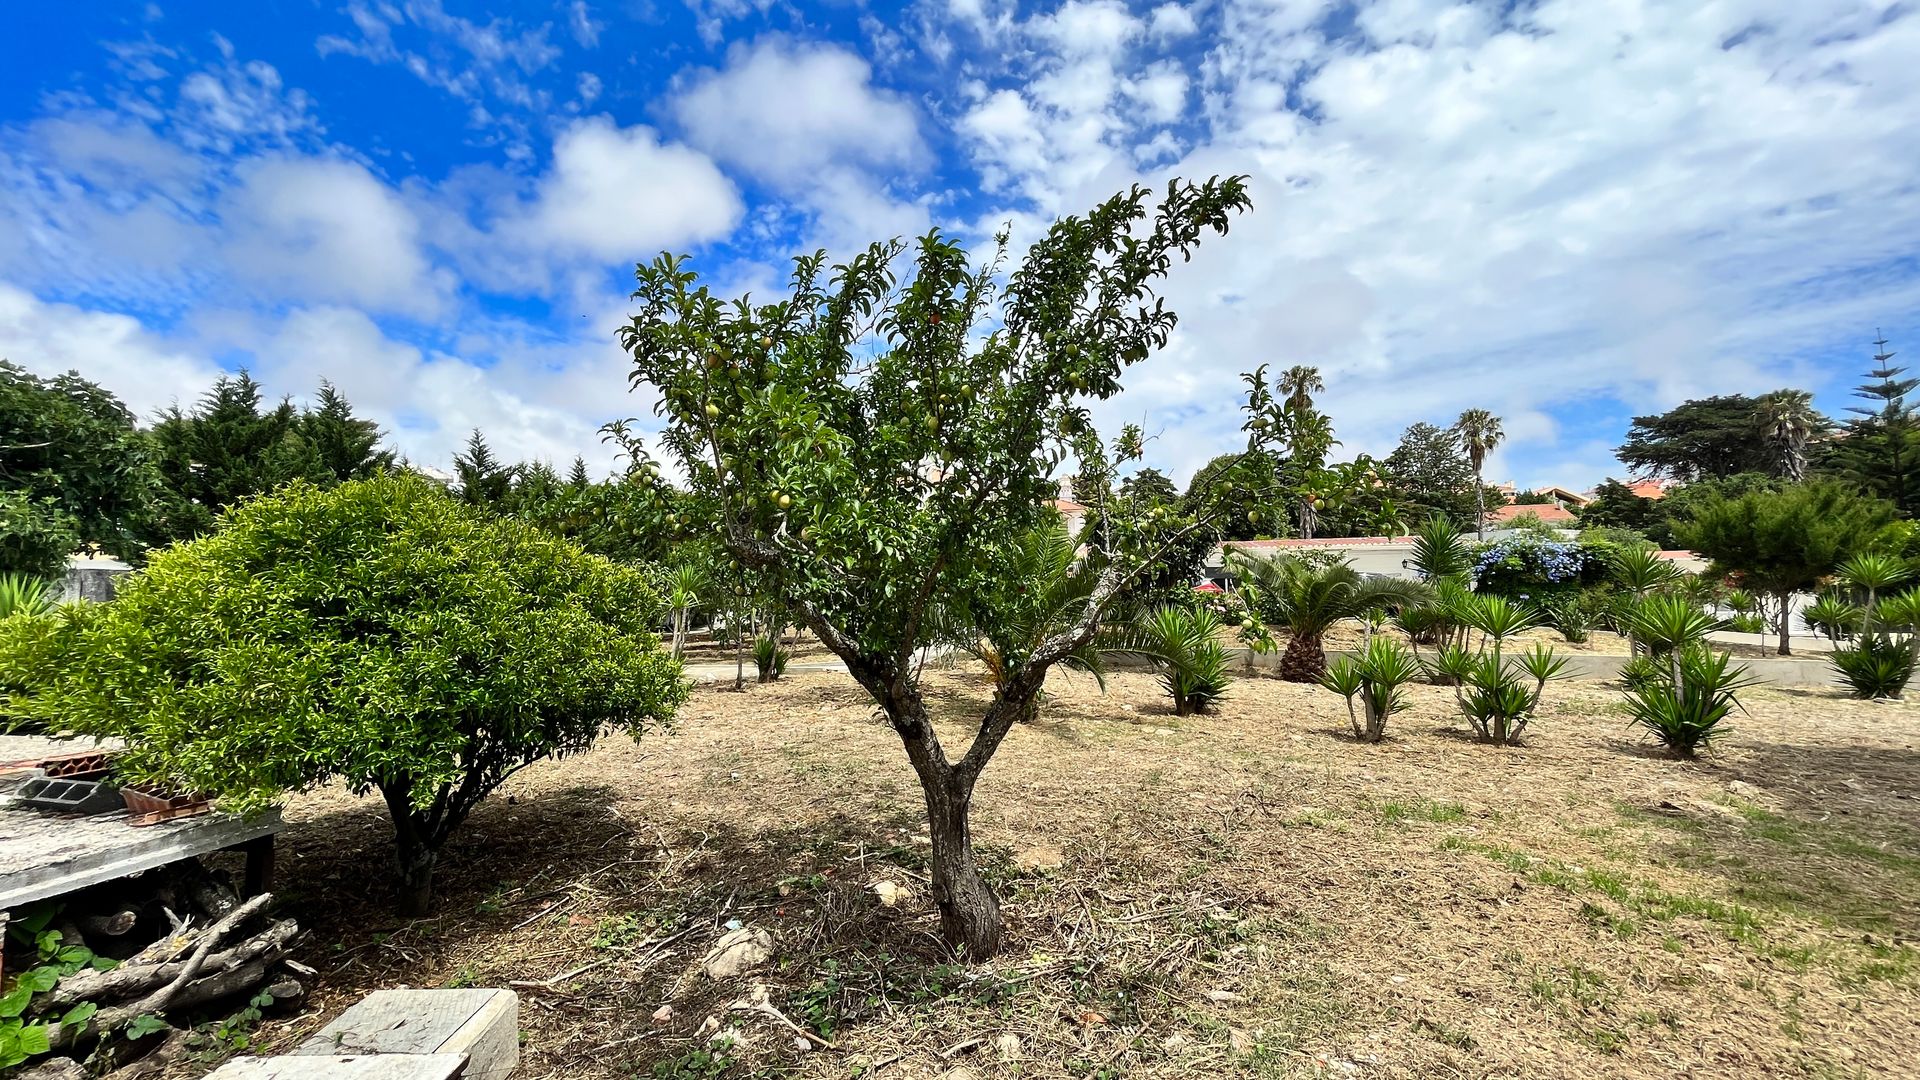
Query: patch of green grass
<point x="1393" y="813"/>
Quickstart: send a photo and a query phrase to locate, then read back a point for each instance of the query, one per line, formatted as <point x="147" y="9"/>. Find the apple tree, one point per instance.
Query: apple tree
<point x="876" y="444"/>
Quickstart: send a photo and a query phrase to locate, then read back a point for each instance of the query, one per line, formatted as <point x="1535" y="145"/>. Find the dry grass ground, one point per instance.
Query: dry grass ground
<point x="1246" y="894"/>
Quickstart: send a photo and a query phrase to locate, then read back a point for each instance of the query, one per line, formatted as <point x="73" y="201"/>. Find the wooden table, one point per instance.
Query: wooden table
<point x="43" y="855"/>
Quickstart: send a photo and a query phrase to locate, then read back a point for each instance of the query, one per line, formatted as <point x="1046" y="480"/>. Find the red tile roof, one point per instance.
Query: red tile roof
<point x="1546" y="512"/>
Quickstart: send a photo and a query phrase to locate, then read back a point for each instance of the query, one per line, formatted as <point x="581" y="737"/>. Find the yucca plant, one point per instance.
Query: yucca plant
<point x="1662" y="623"/>
<point x="24" y="594"/>
<point x="1641" y="570"/>
<point x="1499" y="697"/>
<point x="685" y="584"/>
<point x="1832" y="616"/>
<point x="769" y="659"/>
<point x="1451" y="666"/>
<point x="1375" y="679"/>
<point x="1689" y="710"/>
<point x="1876" y="666"/>
<point x="1873" y="573"/>
<point x="1308" y="599"/>
<point x="1642" y="671"/>
<point x="1183" y="644"/>
<point x="1440" y="551"/>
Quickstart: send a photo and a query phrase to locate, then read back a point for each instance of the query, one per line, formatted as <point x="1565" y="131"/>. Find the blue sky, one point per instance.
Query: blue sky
<point x="1567" y="211"/>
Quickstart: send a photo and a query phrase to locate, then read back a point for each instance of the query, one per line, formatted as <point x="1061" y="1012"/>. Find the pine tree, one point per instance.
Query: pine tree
<point x="483" y="480"/>
<point x="1878" y="453"/>
<point x="347" y="446"/>
<point x="223" y="451"/>
<point x="577" y="477"/>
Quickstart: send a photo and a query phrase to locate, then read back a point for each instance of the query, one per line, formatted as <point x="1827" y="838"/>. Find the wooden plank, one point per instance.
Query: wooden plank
<point x="482" y="1024"/>
<point x="339" y="1067"/>
<point x="47" y="855"/>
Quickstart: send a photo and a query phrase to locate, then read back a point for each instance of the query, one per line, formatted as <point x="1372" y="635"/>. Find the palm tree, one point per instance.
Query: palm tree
<point x="1307" y="599"/>
<point x="1479" y="432"/>
<point x="1047" y="587"/>
<point x="1299" y="383"/>
<point x="684" y="585"/>
<point x="1791" y="421"/>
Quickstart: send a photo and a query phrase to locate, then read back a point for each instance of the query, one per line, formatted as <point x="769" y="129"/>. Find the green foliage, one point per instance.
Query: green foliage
<point x="1879" y="452"/>
<point x="377" y="633"/>
<point x="1784" y="542"/>
<point x="1308" y="598"/>
<point x="1440" y="551"/>
<point x="1243" y="492"/>
<point x="1183" y="644"/>
<point x="1833" y="616"/>
<point x="1688" y="707"/>
<point x="73" y="469"/>
<point x="1664" y="622"/>
<point x="1711" y="438"/>
<point x="769" y="659"/>
<point x="229" y="448"/>
<point x="481" y="478"/>
<point x="24" y="1031"/>
<point x="1615" y="508"/>
<point x="1876" y="666"/>
<point x="36" y="535"/>
<point x="24" y="595"/>
<point x="1641" y="570"/>
<point x="1498" y="694"/>
<point x="1375" y="678"/>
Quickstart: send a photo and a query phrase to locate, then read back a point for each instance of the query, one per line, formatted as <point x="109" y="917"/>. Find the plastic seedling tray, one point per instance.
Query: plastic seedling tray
<point x="70" y="796"/>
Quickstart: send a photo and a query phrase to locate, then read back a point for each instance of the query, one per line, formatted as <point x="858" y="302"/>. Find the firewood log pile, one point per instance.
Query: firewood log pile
<point x="177" y="948"/>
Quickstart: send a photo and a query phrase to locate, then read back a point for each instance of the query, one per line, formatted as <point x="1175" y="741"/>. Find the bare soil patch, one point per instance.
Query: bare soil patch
<point x="1245" y="894"/>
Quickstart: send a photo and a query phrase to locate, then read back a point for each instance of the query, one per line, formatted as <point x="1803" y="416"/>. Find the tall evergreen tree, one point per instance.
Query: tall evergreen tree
<point x="347" y="446"/>
<point x="226" y="449"/>
<point x="1429" y="474"/>
<point x="483" y="479"/>
<point x="1878" y="452"/>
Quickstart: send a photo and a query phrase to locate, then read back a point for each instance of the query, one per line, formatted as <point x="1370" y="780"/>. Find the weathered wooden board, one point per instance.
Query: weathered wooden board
<point x="45" y="855"/>
<point x="339" y="1067"/>
<point x="482" y="1024"/>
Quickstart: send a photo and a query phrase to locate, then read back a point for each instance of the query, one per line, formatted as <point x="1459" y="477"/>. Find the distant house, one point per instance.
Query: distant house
<point x="1649" y="489"/>
<point x="1551" y="513"/>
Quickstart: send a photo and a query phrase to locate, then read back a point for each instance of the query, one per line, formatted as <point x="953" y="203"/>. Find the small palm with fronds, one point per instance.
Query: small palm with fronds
<point x="686" y="584"/>
<point x="1044" y="588"/>
<point x="1183" y="644"/>
<point x="1307" y="599"/>
<point x="1376" y="679"/>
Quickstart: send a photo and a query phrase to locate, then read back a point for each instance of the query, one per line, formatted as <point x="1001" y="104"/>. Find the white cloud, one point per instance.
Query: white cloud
<point x="329" y="230"/>
<point x="617" y="194"/>
<point x="1170" y="21"/>
<point x="1632" y="200"/>
<point x="113" y="350"/>
<point x="581" y="23"/>
<point x="783" y="110"/>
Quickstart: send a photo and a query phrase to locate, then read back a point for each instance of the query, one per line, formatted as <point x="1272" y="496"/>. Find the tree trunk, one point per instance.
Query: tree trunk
<point x="1786" y="623"/>
<point x="1305" y="659"/>
<point x="1480" y="506"/>
<point x="415" y="850"/>
<point x="969" y="911"/>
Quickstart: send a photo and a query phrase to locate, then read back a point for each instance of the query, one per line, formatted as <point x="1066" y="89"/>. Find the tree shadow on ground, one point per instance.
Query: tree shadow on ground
<point x="621" y="901"/>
